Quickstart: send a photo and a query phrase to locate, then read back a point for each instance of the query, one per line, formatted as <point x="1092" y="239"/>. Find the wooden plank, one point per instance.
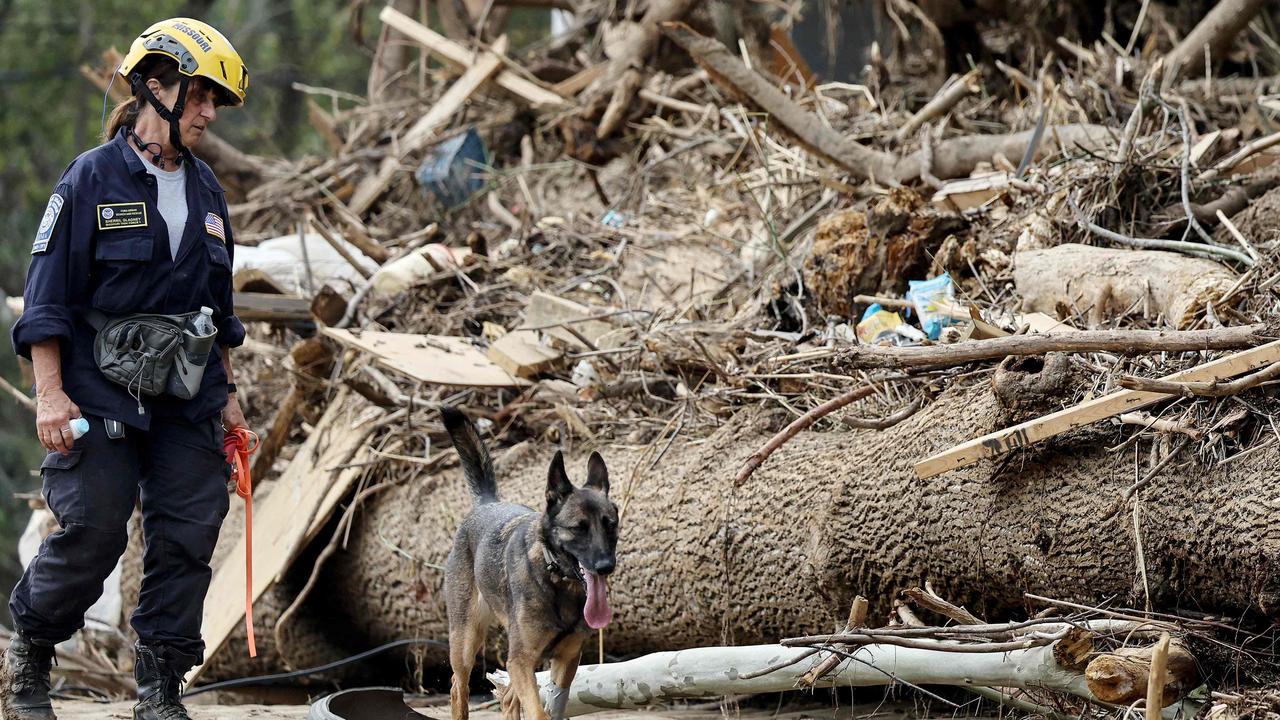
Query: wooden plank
<point x="437" y="359"/>
<point x="520" y="354"/>
<point x="971" y="192"/>
<point x="337" y="491"/>
<point x="546" y="310"/>
<point x="1041" y="323"/>
<point x="457" y="55"/>
<point x="1024" y="434"/>
<point x="418" y="136"/>
<point x="287" y="515"/>
<point x="571" y="86"/>
<point x="272" y="308"/>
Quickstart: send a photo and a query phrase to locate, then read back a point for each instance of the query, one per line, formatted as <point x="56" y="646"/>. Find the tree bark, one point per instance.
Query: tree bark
<point x="835" y="514"/>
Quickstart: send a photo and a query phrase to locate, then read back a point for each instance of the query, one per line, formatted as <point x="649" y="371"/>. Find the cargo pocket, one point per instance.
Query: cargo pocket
<point x="64" y="487"/>
<point x="219" y="261"/>
<point x="120" y="264"/>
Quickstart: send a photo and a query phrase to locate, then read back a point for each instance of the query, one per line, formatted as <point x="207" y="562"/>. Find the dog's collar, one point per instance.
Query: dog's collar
<point x="555" y="568"/>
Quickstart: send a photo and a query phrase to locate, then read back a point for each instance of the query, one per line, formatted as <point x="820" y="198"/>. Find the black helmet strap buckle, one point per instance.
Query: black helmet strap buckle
<point x="173" y="117"/>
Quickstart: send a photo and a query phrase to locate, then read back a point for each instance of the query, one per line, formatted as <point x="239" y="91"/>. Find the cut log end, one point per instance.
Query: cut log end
<point x="1120" y="677"/>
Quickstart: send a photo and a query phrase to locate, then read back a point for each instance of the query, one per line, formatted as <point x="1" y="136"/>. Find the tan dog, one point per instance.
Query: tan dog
<point x="542" y="575"/>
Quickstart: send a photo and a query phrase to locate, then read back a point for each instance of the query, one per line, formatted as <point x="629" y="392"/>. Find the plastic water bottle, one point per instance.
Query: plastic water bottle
<point x="79" y="426"/>
<point x="202" y="324"/>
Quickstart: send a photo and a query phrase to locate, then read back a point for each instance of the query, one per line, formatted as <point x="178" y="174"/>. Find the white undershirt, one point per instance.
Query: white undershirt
<point x="171" y="199"/>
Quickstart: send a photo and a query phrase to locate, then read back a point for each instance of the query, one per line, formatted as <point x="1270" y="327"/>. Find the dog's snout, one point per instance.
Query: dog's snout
<point x="605" y="566"/>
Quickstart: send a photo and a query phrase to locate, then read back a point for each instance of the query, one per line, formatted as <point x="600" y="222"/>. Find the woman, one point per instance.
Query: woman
<point x="135" y="226"/>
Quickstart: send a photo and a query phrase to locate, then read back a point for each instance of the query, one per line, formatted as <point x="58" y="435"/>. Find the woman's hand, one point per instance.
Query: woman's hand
<point x="54" y="413"/>
<point x="232" y="415"/>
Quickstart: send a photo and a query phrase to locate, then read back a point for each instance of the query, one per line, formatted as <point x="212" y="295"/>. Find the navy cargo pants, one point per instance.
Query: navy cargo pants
<point x="179" y="469"/>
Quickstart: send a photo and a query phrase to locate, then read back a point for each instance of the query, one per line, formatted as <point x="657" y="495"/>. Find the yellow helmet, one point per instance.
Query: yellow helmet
<point x="199" y="50"/>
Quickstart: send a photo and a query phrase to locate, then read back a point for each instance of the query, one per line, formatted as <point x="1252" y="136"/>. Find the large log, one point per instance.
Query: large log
<point x="1106" y="283"/>
<point x="835" y="514"/>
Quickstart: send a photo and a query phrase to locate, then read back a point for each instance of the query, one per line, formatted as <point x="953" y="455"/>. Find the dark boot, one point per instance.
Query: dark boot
<point x="24" y="680"/>
<point x="159" y="673"/>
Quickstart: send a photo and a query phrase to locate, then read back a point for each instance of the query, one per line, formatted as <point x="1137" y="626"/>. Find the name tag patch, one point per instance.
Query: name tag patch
<point x="51" y="213"/>
<point x="114" y="216"/>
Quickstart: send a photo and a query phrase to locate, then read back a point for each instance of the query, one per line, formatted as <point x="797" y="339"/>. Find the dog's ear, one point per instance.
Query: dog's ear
<point x="597" y="474"/>
<point x="558" y="486"/>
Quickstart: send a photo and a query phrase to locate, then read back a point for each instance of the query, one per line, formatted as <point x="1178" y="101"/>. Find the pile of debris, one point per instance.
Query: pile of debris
<point x="1049" y="290"/>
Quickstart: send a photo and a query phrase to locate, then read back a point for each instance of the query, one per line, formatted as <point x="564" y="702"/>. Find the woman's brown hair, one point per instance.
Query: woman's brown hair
<point x="126" y="113"/>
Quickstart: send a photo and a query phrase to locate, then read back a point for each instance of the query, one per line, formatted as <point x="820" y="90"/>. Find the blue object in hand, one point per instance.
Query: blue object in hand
<point x="79" y="426"/>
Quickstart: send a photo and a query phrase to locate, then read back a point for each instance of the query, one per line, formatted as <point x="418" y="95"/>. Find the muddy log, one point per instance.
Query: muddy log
<point x="835" y="514"/>
<point x="1106" y="283"/>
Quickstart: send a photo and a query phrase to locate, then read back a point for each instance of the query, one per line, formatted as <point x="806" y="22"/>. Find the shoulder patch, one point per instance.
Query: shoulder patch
<point x="213" y="225"/>
<point x="50" y="219"/>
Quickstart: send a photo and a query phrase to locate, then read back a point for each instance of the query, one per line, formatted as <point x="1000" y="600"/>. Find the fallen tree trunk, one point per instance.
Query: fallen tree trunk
<point x="835" y="514"/>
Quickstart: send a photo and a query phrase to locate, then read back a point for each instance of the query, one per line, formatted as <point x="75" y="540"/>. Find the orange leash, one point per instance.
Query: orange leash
<point x="239" y="443"/>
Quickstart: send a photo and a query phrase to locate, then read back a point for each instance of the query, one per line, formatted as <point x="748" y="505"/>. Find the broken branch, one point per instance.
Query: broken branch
<point x="947" y="98"/>
<point x="1213" y="388"/>
<point x="800" y="423"/>
<point x="1121" y="342"/>
<point x="1215" y="31"/>
<point x="728" y="71"/>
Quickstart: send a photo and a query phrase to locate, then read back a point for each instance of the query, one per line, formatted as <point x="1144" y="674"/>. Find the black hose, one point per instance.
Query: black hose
<point x="268" y="679"/>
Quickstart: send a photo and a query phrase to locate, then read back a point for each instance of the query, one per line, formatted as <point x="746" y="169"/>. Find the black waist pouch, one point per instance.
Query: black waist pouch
<point x="151" y="354"/>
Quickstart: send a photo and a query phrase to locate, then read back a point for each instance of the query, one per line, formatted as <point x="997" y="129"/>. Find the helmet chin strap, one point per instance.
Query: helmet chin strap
<point x="171" y="116"/>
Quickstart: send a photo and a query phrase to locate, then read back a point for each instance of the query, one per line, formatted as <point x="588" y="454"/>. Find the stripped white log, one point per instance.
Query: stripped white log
<point x="717" y="671"/>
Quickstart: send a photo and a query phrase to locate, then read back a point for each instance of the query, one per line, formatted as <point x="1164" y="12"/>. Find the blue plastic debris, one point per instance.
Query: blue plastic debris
<point x="613" y="219"/>
<point x="454" y="169"/>
<point x="930" y="297"/>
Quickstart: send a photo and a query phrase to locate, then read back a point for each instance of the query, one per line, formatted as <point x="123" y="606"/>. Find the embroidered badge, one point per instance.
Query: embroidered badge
<point x="51" y="213"/>
<point x="213" y="224"/>
<point x="114" y="216"/>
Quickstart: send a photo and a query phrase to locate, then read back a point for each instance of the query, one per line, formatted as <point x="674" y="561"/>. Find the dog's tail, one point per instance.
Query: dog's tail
<point x="476" y="464"/>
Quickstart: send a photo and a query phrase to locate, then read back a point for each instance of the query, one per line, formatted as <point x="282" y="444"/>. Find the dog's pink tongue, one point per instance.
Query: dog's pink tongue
<point x="596" y="612"/>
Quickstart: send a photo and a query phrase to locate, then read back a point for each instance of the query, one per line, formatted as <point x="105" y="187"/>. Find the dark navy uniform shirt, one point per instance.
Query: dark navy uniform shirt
<point x="103" y="244"/>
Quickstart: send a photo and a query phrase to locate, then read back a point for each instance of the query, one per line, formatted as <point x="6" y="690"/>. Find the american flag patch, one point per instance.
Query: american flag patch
<point x="213" y="224"/>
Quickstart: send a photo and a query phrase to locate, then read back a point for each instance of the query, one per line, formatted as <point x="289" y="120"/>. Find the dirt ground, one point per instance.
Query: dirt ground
<point x="706" y="711"/>
<point x="122" y="711"/>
